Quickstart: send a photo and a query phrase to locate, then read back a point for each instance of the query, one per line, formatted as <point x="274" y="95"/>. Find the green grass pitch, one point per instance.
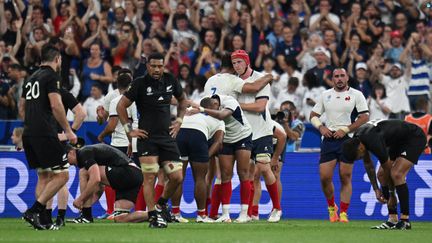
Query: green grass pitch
<point x="16" y="230"/>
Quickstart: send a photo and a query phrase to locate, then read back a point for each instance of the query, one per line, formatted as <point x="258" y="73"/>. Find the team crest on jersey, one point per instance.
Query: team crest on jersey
<point x="347" y="98"/>
<point x="149" y="91"/>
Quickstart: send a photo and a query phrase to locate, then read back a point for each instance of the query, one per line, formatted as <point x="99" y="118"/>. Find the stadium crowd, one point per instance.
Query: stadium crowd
<point x="382" y="47"/>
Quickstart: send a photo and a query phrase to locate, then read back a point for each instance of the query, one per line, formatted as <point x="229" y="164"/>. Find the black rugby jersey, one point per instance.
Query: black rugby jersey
<point x="101" y="154"/>
<point x="153" y="99"/>
<point x="69" y="102"/>
<point x="39" y="119"/>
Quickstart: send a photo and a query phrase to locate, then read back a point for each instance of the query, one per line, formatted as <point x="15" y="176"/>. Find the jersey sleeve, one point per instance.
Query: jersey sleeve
<point x="230" y="103"/>
<point x="221" y="126"/>
<point x="86" y="158"/>
<point x="132" y="93"/>
<point x="361" y="103"/>
<point x="264" y="93"/>
<point x="237" y="84"/>
<point x="113" y="107"/>
<point x="319" y="106"/>
<point x="68" y="100"/>
<point x="53" y="84"/>
<point x="177" y="88"/>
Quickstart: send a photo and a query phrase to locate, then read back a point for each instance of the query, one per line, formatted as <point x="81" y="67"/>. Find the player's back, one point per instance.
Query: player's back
<point x="223" y="84"/>
<point x="102" y="154"/>
<point x="119" y="137"/>
<point x="39" y="120"/>
<point x="204" y="123"/>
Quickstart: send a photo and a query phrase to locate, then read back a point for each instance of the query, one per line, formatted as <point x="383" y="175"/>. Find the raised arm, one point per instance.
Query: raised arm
<point x="257" y="85"/>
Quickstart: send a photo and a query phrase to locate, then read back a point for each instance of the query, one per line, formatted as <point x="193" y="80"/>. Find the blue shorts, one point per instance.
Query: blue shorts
<point x="193" y="145"/>
<point x="231" y="148"/>
<point x="263" y="145"/>
<point x="331" y="149"/>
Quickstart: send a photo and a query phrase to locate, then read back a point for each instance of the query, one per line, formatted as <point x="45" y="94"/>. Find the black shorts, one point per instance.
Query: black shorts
<point x="331" y="149"/>
<point x="125" y="180"/>
<point x="231" y="148"/>
<point x="45" y="152"/>
<point x="193" y="145"/>
<point x="410" y="149"/>
<point x="164" y="147"/>
<point x="263" y="145"/>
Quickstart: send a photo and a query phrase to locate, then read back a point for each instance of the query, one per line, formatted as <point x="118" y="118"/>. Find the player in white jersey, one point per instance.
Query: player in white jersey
<point x="114" y="128"/>
<point x="226" y="83"/>
<point x="193" y="142"/>
<point x="338" y="103"/>
<point x="256" y="110"/>
<point x="237" y="145"/>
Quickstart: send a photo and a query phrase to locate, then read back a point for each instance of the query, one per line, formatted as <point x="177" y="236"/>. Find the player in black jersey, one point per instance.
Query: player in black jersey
<point x="156" y="145"/>
<point x="105" y="165"/>
<point x="398" y="146"/>
<point x="43" y="109"/>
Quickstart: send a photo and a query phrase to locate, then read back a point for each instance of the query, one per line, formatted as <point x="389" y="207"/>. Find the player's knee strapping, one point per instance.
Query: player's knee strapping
<point x="263" y="158"/>
<point x="60" y="168"/>
<point x="172" y="166"/>
<point x="150" y="168"/>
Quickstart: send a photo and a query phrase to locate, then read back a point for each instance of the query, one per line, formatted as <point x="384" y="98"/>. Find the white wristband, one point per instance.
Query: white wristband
<point x="201" y="109"/>
<point x="315" y="121"/>
<point x="345" y="129"/>
<point x="127" y="127"/>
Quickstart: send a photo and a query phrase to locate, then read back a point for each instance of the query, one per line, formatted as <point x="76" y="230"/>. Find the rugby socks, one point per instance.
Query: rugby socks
<point x="175" y="209"/>
<point x="140" y="204"/>
<point x="87" y="213"/>
<point x="110" y="199"/>
<point x="344" y="207"/>
<point x="274" y="195"/>
<point x="158" y="192"/>
<point x="61" y="213"/>
<point x="226" y="191"/>
<point x="49" y="213"/>
<point x="215" y="198"/>
<point x="331" y="202"/>
<point x="386" y="193"/>
<point x="403" y="195"/>
<point x="251" y="197"/>
<point x="201" y="212"/>
<point x="245" y="190"/>
<point x="45" y="216"/>
<point x="255" y="210"/>
<point x="37" y="207"/>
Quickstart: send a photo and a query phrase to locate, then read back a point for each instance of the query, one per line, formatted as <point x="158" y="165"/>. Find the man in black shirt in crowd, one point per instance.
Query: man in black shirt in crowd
<point x="101" y="164"/>
<point x="398" y="146"/>
<point x="156" y="145"/>
<point x="43" y="109"/>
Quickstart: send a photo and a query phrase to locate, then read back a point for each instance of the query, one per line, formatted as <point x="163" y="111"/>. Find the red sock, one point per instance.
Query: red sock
<point x="245" y="190"/>
<point x="251" y="197"/>
<point x="110" y="199"/>
<point x="208" y="202"/>
<point x="226" y="192"/>
<point x="255" y="210"/>
<point x="158" y="192"/>
<point x="344" y="207"/>
<point x="273" y="191"/>
<point x="175" y="209"/>
<point x="140" y="204"/>
<point x="215" y="200"/>
<point x="201" y="213"/>
<point x="330" y="202"/>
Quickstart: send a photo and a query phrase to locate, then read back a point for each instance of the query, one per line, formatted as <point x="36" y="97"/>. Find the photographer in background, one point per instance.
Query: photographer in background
<point x="294" y="128"/>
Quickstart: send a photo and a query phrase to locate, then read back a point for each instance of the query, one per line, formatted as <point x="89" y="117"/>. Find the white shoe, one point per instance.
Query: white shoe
<point x="254" y="218"/>
<point x="275" y="216"/>
<point x="243" y="218"/>
<point x="204" y="219"/>
<point x="224" y="218"/>
<point x="180" y="219"/>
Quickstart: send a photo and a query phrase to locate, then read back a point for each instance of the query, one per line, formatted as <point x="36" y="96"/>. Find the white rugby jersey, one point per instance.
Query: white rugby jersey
<point x="338" y="106"/>
<point x="203" y="123"/>
<point x="119" y="137"/>
<point x="109" y="97"/>
<point x="237" y="126"/>
<point x="276" y="125"/>
<point x="224" y="84"/>
<point x="260" y="122"/>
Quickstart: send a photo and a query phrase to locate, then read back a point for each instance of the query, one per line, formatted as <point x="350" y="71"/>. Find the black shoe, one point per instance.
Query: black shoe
<point x="33" y="219"/>
<point x="402" y="225"/>
<point x="384" y="226"/>
<point x="81" y="220"/>
<point x="51" y="227"/>
<point x="60" y="222"/>
<point x="157" y="221"/>
<point x="166" y="214"/>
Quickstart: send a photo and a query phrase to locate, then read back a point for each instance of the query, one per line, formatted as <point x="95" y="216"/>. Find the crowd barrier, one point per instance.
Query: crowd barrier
<point x="302" y="197"/>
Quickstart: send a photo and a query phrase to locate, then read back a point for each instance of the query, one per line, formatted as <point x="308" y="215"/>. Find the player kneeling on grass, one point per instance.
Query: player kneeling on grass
<point x="398" y="146"/>
<point x="105" y="165"/>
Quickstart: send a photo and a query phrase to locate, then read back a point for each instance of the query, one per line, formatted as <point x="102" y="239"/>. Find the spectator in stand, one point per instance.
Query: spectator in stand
<point x="281" y="84"/>
<point x="198" y="92"/>
<point x="96" y="99"/>
<point x="376" y="58"/>
<point x="312" y="93"/>
<point x="207" y="64"/>
<point x="293" y="94"/>
<point x="17" y="138"/>
<point x="374" y="22"/>
<point x="265" y="49"/>
<point x="290" y="46"/>
<point x="17" y="74"/>
<point x="323" y="70"/>
<point x="330" y="42"/>
<point x="396" y="48"/>
<point x="65" y="17"/>
<point x="143" y="49"/>
<point x="306" y="58"/>
<point x="276" y="35"/>
<point x="324" y="14"/>
<point x="5" y="102"/>
<point x="378" y="103"/>
<point x="115" y="27"/>
<point x="361" y="79"/>
<point x="181" y="29"/>
<point x="123" y="52"/>
<point x="421" y="74"/>
<point x="353" y="52"/>
<point x="95" y="71"/>
<point x="185" y="79"/>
